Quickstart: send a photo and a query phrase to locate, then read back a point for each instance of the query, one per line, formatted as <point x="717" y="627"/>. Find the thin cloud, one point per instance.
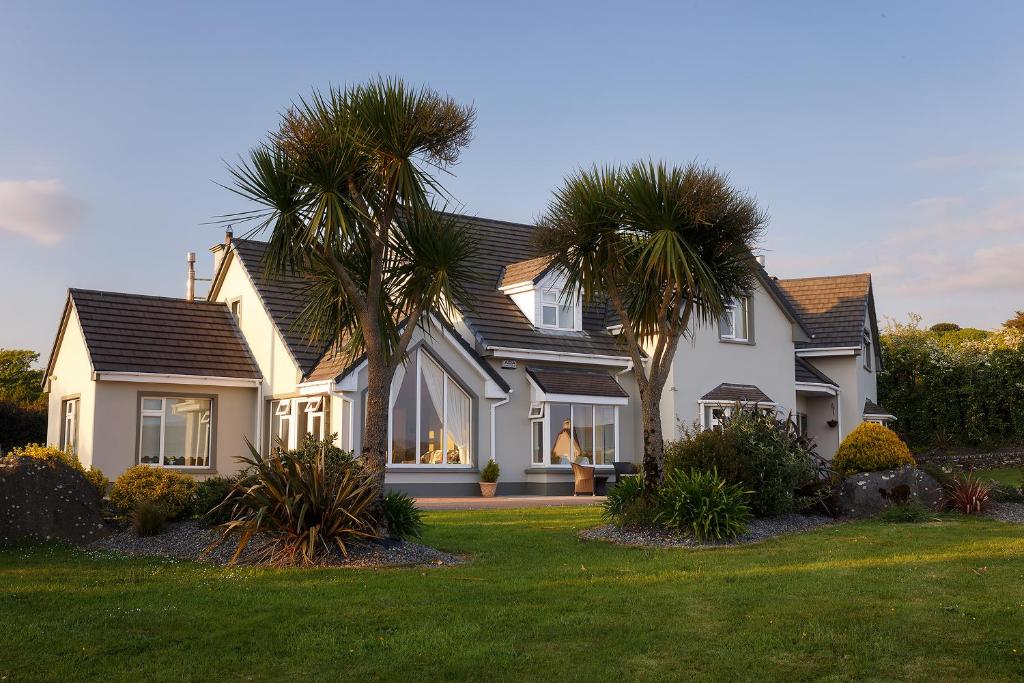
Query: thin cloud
<point x="41" y="210"/>
<point x="951" y="162"/>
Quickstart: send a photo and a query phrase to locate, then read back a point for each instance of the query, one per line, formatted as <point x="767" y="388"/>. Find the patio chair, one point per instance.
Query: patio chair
<point x="584" y="479"/>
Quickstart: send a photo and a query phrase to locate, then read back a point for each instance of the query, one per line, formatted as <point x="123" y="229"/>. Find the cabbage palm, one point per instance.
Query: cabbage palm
<point x="348" y="188"/>
<point x="668" y="248"/>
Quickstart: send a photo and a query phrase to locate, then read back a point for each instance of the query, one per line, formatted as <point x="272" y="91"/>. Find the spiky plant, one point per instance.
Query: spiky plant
<point x="966" y="493"/>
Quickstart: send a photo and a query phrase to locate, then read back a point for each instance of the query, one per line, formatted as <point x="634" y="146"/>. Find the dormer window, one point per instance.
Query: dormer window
<point x="554" y="312"/>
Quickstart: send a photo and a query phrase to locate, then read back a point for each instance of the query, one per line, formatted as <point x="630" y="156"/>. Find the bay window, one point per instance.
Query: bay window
<point x="583" y="433"/>
<point x="430" y="416"/>
<point x="175" y="431"/>
<point x="292" y="419"/>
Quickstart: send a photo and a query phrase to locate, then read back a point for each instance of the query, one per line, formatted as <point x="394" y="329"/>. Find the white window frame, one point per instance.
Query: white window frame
<point x="152" y="412"/>
<point x="546" y="421"/>
<point x="869" y="361"/>
<point x="70" y="416"/>
<point x="290" y="410"/>
<point x="235" y="307"/>
<point x="448" y="378"/>
<point x="552" y="298"/>
<point x="800" y="421"/>
<point x="709" y="422"/>
<point x="742" y="303"/>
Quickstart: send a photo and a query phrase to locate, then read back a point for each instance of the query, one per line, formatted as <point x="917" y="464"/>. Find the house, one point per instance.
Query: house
<point x="522" y="376"/>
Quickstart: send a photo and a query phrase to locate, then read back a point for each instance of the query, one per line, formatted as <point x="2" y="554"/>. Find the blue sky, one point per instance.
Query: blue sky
<point x="882" y="137"/>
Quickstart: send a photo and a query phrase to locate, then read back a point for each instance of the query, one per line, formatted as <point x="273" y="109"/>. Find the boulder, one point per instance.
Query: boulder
<point x="42" y="500"/>
<point x="868" y="493"/>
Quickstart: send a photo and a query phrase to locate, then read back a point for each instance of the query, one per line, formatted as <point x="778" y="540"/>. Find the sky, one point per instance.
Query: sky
<point x="880" y="137"/>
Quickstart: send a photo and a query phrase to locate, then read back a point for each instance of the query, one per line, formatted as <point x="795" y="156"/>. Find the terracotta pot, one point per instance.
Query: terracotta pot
<point x="487" y="488"/>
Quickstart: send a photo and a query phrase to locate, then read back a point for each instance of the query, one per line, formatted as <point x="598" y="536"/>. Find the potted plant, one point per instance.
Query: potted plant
<point x="489" y="479"/>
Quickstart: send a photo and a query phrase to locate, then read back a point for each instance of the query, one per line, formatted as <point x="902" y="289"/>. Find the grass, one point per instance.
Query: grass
<point x="1012" y="476"/>
<point x="940" y="601"/>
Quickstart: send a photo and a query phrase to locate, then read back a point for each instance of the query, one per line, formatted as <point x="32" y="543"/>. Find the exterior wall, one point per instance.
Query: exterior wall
<point x="819" y="411"/>
<point x="72" y="376"/>
<point x="704" y="361"/>
<point x="116" y="423"/>
<point x="845" y="371"/>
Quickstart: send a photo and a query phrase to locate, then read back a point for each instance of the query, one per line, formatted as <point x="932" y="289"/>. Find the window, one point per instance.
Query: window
<point x="69" y="428"/>
<point x="734" y="325"/>
<point x="868" y="355"/>
<point x="430" y="416"/>
<point x="175" y="432"/>
<point x="554" y="312"/>
<point x="800" y="422"/>
<point x="537" y="429"/>
<point x="236" y="309"/>
<point x="292" y="419"/>
<point x="580" y="432"/>
<point x="714" y="415"/>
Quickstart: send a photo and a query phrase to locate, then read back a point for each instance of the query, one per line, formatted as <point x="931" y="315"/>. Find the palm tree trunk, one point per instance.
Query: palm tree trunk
<point x="374" y="450"/>
<point x="654" y="441"/>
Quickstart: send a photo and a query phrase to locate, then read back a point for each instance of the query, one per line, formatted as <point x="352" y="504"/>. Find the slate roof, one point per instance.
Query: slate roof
<point x="742" y="393"/>
<point x="161" y="335"/>
<point x="872" y="408"/>
<point x="529" y="270"/>
<point x="284" y="298"/>
<point x="572" y="381"/>
<point x="833" y="307"/>
<point x="805" y="372"/>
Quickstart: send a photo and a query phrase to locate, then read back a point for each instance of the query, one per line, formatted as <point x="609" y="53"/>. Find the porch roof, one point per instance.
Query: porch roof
<point x="576" y="382"/>
<point x="742" y="393"/>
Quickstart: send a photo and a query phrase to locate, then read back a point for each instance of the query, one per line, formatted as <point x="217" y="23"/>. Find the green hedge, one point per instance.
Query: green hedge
<point x="960" y="388"/>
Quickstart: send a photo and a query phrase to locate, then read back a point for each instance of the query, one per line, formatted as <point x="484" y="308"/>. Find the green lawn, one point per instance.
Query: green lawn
<point x="1013" y="476"/>
<point x="942" y="601"/>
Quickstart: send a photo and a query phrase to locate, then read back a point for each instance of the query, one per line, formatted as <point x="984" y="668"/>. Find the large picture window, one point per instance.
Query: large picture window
<point x="578" y="432"/>
<point x="175" y="432"/>
<point x="292" y="419"/>
<point x="430" y="416"/>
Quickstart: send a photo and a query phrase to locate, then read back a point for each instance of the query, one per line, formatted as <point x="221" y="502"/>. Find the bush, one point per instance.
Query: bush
<point x="305" y="502"/>
<point x="967" y="494"/>
<point x="909" y="511"/>
<point x="703" y="504"/>
<point x="148" y="518"/>
<point x="1006" y="493"/>
<point x="490" y="472"/>
<point x="871" y="447"/>
<point x="401" y="516"/>
<point x="760" y="453"/>
<point x="210" y="493"/>
<point x="172" y="491"/>
<point x="53" y="454"/>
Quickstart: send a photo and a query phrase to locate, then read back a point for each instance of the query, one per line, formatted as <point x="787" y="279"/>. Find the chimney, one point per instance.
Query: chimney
<point x="228" y="236"/>
<point x="220" y="250"/>
<point x="760" y="259"/>
<point x="190" y="283"/>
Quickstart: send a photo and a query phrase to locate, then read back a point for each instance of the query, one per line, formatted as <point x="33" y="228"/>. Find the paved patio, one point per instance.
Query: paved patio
<point x="501" y="502"/>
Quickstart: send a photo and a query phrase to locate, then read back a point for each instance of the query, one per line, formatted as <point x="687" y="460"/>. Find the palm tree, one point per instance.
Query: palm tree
<point x="668" y="249"/>
<point x="348" y="186"/>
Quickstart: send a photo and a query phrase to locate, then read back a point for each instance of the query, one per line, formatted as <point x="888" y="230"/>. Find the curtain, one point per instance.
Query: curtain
<point x="432" y="378"/>
<point x="457" y="426"/>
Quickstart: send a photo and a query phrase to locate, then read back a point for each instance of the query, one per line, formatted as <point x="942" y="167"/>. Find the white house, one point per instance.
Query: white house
<point x="520" y="376"/>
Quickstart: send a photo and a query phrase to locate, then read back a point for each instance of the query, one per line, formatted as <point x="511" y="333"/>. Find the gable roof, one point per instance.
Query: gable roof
<point x="576" y="382"/>
<point x="807" y="373"/>
<point x="742" y="393"/>
<point x="834" y="307"/>
<point x="873" y="409"/>
<point x="159" y="335"/>
<point x="529" y="270"/>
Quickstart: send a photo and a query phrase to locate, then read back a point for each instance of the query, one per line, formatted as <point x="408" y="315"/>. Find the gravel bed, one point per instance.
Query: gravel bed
<point x="758" y="530"/>
<point x="1007" y="512"/>
<point x="189" y="540"/>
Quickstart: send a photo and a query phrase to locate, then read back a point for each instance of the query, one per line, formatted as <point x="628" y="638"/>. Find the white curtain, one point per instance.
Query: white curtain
<point x="433" y="380"/>
<point x="457" y="424"/>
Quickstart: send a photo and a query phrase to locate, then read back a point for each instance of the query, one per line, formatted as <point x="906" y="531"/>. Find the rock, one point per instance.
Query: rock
<point x="868" y="493"/>
<point x="42" y="500"/>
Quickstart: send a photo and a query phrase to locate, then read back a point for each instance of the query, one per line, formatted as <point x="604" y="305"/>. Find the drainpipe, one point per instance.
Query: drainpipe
<point x="494" y="407"/>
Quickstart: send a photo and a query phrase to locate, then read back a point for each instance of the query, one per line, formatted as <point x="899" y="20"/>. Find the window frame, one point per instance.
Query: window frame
<point x="71" y="407"/>
<point x="869" y="361"/>
<point x="561" y="309"/>
<point x="210" y="420"/>
<point x="729" y="406"/>
<point x="298" y="408"/>
<point x="742" y="303"/>
<point x="235" y="308"/>
<point x="449" y="379"/>
<point x="546" y="432"/>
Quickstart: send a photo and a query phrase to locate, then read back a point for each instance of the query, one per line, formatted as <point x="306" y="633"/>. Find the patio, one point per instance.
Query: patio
<point x="505" y="502"/>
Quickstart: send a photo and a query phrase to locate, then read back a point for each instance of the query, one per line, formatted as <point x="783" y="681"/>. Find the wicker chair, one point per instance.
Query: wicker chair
<point x="584" y="479"/>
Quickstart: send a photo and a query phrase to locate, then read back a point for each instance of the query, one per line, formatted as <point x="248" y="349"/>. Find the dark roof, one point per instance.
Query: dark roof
<point x="579" y="382"/>
<point x="742" y="393"/>
<point x="805" y="372"/>
<point x="834" y="307"/>
<point x="284" y="298"/>
<point x="492" y="316"/>
<point x="529" y="270"/>
<point x="872" y="408"/>
<point x="160" y="335"/>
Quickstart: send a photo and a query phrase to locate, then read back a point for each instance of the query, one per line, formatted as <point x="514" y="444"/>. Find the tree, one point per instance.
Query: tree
<point x="1016" y="322"/>
<point x="944" y="327"/>
<point x="668" y="248"/>
<point x="19" y="383"/>
<point x="348" y="187"/>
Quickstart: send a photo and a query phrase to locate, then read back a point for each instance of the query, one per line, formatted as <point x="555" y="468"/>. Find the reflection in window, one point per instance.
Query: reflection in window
<point x="582" y="433"/>
<point x="175" y="432"/>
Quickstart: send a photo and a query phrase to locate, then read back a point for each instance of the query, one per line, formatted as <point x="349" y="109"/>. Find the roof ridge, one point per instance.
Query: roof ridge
<point x="821" y="277"/>
<point x="78" y="290"/>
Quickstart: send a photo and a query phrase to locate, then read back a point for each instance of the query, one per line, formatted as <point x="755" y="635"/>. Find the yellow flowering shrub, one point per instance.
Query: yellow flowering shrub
<point x="54" y="454"/>
<point x="170" y="490"/>
<point x="871" y="447"/>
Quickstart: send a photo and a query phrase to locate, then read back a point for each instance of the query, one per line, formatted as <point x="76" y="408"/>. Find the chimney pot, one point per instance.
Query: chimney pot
<point x="190" y="283"/>
<point x="228" y="236"/>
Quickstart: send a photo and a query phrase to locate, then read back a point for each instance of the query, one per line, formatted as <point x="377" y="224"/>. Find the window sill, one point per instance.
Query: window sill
<point x="741" y="342"/>
<point x="184" y="469"/>
<point x="431" y="468"/>
<point x="566" y="469"/>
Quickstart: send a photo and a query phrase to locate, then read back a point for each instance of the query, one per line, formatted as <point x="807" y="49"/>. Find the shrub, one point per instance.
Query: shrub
<point x="171" y="490"/>
<point x="490" y="472"/>
<point x="401" y="516"/>
<point x="908" y="511"/>
<point x="53" y="454"/>
<point x="871" y="447"/>
<point x="304" y="503"/>
<point x="210" y="493"/>
<point x="148" y="518"/>
<point x="703" y="504"/>
<point x="967" y="494"/>
<point x="1006" y="493"/>
<point x="760" y="453"/>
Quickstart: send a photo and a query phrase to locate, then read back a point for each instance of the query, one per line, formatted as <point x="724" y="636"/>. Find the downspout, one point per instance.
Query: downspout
<point x="494" y="407"/>
<point x="628" y="368"/>
<point x="259" y="418"/>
